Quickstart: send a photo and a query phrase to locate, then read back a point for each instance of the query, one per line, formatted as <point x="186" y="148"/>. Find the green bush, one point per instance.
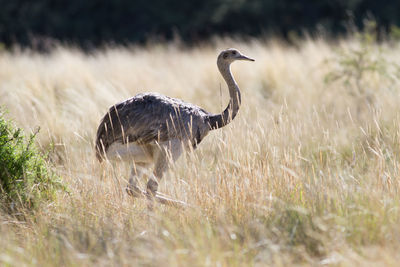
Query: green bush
<point x="25" y="177"/>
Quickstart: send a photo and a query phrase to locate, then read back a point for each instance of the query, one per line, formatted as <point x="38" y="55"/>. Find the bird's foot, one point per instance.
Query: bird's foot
<point x="152" y="186"/>
<point x="134" y="191"/>
<point x="151" y="196"/>
<point x="167" y="200"/>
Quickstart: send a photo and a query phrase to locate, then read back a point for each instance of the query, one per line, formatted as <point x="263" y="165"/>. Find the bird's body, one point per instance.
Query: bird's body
<point x="153" y="128"/>
<point x="151" y="118"/>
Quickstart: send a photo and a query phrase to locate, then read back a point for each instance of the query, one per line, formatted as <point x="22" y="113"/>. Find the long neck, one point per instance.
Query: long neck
<point x="220" y="120"/>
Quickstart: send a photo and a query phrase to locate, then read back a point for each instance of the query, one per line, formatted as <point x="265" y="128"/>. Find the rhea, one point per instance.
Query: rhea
<point x="151" y="128"/>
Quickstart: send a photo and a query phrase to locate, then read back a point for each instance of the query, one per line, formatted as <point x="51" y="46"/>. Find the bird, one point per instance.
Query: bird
<point x="151" y="128"/>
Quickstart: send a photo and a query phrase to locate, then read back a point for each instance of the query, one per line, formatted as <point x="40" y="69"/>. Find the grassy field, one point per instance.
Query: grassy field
<point x="307" y="174"/>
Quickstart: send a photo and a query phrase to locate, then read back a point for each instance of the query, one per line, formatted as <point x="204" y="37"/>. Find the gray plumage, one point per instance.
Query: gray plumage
<point x="150" y="117"/>
<point x="151" y="127"/>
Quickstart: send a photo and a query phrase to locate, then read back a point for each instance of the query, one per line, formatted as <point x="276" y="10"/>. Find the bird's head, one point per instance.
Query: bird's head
<point x="229" y="55"/>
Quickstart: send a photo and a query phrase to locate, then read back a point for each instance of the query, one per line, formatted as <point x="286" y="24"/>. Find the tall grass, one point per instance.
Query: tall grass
<point x="308" y="172"/>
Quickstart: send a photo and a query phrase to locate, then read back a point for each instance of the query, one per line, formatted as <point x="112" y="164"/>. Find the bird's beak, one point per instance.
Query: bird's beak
<point x="242" y="57"/>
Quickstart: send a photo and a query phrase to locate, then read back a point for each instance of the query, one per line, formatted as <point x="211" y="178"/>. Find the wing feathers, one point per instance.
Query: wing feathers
<point x="147" y="118"/>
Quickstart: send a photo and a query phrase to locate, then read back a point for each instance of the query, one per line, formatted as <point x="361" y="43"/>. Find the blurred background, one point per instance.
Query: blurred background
<point x="92" y="23"/>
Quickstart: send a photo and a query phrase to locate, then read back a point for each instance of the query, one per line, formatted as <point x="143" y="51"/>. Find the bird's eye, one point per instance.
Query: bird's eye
<point x="225" y="55"/>
<point x="233" y="52"/>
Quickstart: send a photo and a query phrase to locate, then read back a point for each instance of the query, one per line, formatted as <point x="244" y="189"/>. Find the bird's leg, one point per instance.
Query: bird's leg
<point x="169" y="153"/>
<point x="160" y="167"/>
<point x="132" y="188"/>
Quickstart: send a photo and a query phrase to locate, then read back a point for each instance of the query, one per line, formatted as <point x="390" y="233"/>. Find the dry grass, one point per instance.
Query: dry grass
<point x="308" y="173"/>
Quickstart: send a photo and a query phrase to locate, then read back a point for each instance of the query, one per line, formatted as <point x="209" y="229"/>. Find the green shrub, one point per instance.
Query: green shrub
<point x="354" y="65"/>
<point x="25" y="177"/>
